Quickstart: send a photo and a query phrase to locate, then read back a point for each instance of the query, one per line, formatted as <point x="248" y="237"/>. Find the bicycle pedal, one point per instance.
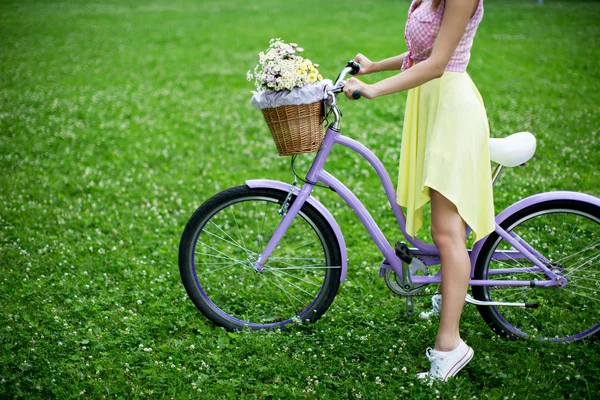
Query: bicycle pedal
<point x="403" y="252"/>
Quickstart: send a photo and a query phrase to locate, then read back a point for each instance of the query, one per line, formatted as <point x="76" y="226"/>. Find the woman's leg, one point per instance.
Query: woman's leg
<point x="449" y="233"/>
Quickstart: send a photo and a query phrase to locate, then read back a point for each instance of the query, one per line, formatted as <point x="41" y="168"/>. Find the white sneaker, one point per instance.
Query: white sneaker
<point x="446" y="364"/>
<point x="436" y="306"/>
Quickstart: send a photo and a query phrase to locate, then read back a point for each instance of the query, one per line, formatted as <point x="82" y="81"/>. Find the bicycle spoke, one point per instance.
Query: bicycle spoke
<point x="217" y="263"/>
<point x="299" y="247"/>
<point x="226" y="266"/>
<point x="289" y="295"/>
<point x="512" y="259"/>
<point x="232" y="243"/>
<point x="511" y="295"/>
<point x="263" y="225"/>
<point x="282" y="262"/>
<point x="228" y="235"/>
<point x="582" y="271"/>
<point x="258" y="237"/>
<point x="570" y="235"/>
<point x="214" y="256"/>
<point x="585" y="263"/>
<point x="582" y="295"/>
<point x="302" y="234"/>
<point x="237" y="225"/>
<point x="562" y="260"/>
<point x="586" y="271"/>
<point x="308" y="267"/>
<point x="279" y="261"/>
<point x="580" y="278"/>
<point x="212" y="248"/>
<point x="292" y="284"/>
<point x="300" y="279"/>
<point x="583" y="287"/>
<point x="294" y="258"/>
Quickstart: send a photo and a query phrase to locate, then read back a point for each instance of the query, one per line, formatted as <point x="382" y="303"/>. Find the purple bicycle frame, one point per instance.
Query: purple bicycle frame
<point x="428" y="252"/>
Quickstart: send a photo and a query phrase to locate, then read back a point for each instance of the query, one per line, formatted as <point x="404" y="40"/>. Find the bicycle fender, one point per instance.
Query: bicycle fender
<point x="271" y="184"/>
<point x="529" y="201"/>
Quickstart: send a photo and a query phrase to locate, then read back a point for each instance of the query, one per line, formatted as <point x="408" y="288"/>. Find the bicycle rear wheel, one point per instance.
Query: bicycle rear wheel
<point x="567" y="233"/>
<point x="223" y="239"/>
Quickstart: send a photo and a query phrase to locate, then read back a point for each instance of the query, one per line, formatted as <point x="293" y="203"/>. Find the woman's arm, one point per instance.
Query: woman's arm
<point x="456" y="17"/>
<point x="389" y="64"/>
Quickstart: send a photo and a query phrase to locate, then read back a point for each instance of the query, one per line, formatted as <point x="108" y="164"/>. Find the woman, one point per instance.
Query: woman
<point x="444" y="154"/>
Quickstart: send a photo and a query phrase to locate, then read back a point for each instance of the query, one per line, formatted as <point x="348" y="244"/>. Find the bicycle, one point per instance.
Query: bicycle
<point x="267" y="254"/>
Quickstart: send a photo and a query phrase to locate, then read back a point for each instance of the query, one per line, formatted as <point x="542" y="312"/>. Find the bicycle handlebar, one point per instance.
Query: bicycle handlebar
<point x="352" y="68"/>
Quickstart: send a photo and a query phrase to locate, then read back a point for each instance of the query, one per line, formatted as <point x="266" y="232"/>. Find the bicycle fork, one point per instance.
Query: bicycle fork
<point x="289" y="213"/>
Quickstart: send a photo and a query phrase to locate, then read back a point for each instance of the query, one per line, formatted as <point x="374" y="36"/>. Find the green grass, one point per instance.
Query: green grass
<point x="119" y="118"/>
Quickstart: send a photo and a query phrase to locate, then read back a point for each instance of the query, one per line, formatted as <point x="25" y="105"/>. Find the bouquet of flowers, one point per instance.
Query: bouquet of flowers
<point x="282" y="68"/>
<point x="289" y="92"/>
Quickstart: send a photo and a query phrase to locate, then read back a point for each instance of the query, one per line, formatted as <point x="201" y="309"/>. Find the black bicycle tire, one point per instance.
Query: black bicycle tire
<point x="210" y="208"/>
<point x="490" y="314"/>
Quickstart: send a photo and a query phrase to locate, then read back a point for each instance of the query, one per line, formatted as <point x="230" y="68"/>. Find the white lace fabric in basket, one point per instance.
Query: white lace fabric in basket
<point x="305" y="95"/>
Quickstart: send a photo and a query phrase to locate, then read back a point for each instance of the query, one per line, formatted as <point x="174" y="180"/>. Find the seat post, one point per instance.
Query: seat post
<point x="496" y="173"/>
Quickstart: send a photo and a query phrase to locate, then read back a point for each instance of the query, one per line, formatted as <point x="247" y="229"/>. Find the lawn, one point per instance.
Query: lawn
<point x="119" y="118"/>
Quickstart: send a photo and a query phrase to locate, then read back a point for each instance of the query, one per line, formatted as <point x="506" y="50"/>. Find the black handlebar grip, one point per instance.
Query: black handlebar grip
<point x="356" y="95"/>
<point x="355" y="67"/>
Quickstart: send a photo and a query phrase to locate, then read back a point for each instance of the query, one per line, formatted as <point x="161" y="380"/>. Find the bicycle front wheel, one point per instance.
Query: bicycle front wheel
<point x="567" y="234"/>
<point x="224" y="238"/>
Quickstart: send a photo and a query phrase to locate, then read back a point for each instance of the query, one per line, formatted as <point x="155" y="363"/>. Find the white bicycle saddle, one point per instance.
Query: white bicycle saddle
<point x="512" y="150"/>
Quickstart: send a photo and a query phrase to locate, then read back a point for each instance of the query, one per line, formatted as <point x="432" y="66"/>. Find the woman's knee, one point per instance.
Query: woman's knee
<point x="447" y="226"/>
<point x="447" y="235"/>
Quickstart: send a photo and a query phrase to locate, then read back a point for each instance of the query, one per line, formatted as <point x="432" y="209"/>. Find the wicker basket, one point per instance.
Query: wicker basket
<point x="296" y="129"/>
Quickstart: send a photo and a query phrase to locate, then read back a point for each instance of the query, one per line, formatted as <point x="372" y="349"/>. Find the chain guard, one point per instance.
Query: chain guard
<point x="394" y="283"/>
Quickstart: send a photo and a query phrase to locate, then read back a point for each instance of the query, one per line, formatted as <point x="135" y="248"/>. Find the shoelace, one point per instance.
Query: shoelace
<point x="434" y="361"/>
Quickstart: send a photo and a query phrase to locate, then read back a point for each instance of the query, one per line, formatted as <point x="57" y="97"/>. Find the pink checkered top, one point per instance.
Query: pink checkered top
<point x="422" y="28"/>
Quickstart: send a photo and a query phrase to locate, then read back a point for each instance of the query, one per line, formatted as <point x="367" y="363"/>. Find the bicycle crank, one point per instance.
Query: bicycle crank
<point x="403" y="286"/>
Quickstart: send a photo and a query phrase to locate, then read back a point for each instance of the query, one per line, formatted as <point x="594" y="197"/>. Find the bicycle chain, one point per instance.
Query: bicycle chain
<point x="429" y="294"/>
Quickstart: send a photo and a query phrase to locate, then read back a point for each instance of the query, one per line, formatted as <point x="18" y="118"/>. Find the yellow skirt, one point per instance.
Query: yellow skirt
<point x="445" y="148"/>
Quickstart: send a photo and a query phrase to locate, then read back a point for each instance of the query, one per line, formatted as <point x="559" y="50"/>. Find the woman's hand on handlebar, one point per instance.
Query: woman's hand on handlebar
<point x="366" y="65"/>
<point x="352" y="85"/>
